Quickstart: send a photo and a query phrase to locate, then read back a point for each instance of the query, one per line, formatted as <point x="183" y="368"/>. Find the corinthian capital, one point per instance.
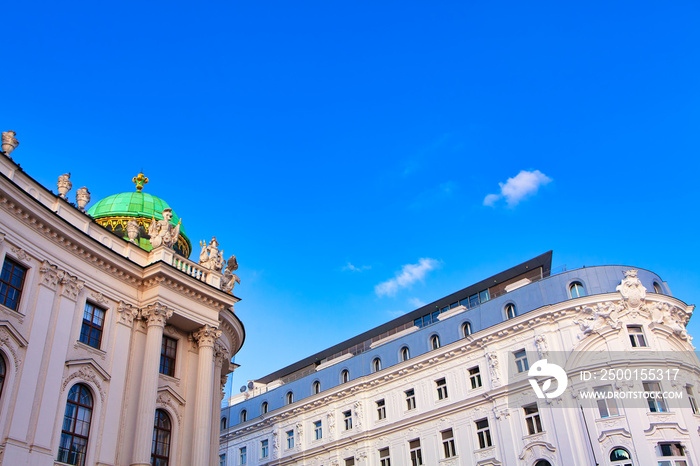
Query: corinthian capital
<point x="156" y="314"/>
<point x="206" y="336"/>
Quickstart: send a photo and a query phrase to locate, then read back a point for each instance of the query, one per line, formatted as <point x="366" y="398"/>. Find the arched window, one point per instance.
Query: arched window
<point x="290" y="398"/>
<point x="543" y="463"/>
<point x="657" y="288"/>
<point x="620" y="457"/>
<point x="434" y="342"/>
<point x="160" y="449"/>
<point x="316" y="387"/>
<point x="76" y="426"/>
<point x="224" y="423"/>
<point x="244" y="415"/>
<point x="576" y="290"/>
<point x="376" y="364"/>
<point x="510" y="311"/>
<point x="3" y="371"/>
<point x="405" y="355"/>
<point x="345" y="376"/>
<point x="263" y="407"/>
<point x="466" y="329"/>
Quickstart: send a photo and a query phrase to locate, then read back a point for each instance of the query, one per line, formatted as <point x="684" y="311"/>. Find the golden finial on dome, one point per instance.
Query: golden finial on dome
<point x="140" y="180"/>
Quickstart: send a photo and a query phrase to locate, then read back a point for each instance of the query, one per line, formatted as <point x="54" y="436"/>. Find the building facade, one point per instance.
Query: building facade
<point x="453" y="383"/>
<point x="112" y="351"/>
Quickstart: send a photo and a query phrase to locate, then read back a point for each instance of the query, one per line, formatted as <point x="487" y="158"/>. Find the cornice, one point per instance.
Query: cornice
<point x="158" y="275"/>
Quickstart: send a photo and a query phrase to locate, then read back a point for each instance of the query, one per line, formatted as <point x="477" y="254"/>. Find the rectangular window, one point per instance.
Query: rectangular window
<point x="318" y="430"/>
<point x="290" y="439"/>
<point x="448" y="443"/>
<point x="11" y="283"/>
<point x="410" y="399"/>
<point x="636" y="336"/>
<point x="691" y="399"/>
<point x="606" y="406"/>
<point x="349" y="461"/>
<point x="416" y="455"/>
<point x="381" y="410"/>
<point x="243" y="455"/>
<point x="474" y="300"/>
<point x="93" y="321"/>
<point x="673" y="454"/>
<point x="347" y="419"/>
<point x="264" y="449"/>
<point x="168" y="349"/>
<point x="655" y="402"/>
<point x="532" y="419"/>
<point x="521" y="361"/>
<point x="384" y="459"/>
<point x="441" y="386"/>
<point x="475" y="377"/>
<point x="222" y="460"/>
<point x="483" y="433"/>
<point x="484" y="296"/>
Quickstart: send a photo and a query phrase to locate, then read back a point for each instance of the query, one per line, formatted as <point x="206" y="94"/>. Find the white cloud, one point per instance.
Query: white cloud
<point x="410" y="273"/>
<point x="416" y="302"/>
<point x="353" y="268"/>
<point x="517" y="188"/>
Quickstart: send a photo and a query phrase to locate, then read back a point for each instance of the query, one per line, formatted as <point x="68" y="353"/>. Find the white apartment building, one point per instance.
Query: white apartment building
<point x="449" y="383"/>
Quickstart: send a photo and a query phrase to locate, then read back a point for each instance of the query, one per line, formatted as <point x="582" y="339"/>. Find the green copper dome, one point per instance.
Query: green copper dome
<point x="115" y="211"/>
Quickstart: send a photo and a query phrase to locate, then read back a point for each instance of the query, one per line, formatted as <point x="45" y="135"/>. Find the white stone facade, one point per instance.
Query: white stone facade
<point x="71" y="262"/>
<point x="446" y="426"/>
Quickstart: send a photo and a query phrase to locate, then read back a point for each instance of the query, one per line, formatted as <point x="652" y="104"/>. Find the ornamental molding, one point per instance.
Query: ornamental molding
<point x="87" y="370"/>
<point x="168" y="398"/>
<point x="11" y="341"/>
<point x="655" y="428"/>
<point x="538" y="449"/>
<point x="127" y="313"/>
<point x="99" y="298"/>
<point x="21" y="255"/>
<point x="53" y="276"/>
<point x="632" y="291"/>
<point x="206" y="336"/>
<point x="180" y="287"/>
<point x="156" y="314"/>
<point x="57" y="236"/>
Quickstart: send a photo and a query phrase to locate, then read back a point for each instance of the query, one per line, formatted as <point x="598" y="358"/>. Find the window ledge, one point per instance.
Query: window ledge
<point x="538" y="435"/>
<point x="91" y="349"/>
<point x="170" y="378"/>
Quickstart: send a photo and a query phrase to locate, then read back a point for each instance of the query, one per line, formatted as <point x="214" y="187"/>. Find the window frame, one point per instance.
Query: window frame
<point x="289" y="397"/>
<point x="243" y="455"/>
<point x="155" y="458"/>
<point x="290" y="439"/>
<point x="384" y="460"/>
<point x="511" y="312"/>
<point x="688" y="390"/>
<point x="657" y="287"/>
<point x="86" y="338"/>
<point x="448" y="444"/>
<point x="315" y="387"/>
<point x="264" y="407"/>
<point x="347" y="419"/>
<point x="579" y="287"/>
<point x="318" y="430"/>
<point x="376" y="364"/>
<point x="475" y="377"/>
<point x="467" y="329"/>
<point x="264" y="448"/>
<point x="533" y="420"/>
<point x="78" y="410"/>
<point x="606" y="403"/>
<point x="344" y="376"/>
<point x="404" y="354"/>
<point x="166" y="360"/>
<point x="415" y="453"/>
<point x="656" y="405"/>
<point x="381" y="409"/>
<point x="243" y="416"/>
<point x="441" y="387"/>
<point x="410" y="399"/>
<point x="622" y="461"/>
<point x="8" y="284"/>
<point x="483" y="433"/>
<point x="638" y="337"/>
<point x="434" y="342"/>
<point x="521" y="362"/>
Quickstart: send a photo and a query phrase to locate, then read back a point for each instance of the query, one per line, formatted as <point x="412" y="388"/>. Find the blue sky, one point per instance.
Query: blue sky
<point x="336" y="146"/>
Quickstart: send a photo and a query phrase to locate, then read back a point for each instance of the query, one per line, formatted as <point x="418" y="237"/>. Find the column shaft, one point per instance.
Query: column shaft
<point x="203" y="396"/>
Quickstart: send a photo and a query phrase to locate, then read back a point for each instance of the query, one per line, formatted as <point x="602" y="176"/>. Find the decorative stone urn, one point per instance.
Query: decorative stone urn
<point x="9" y="142"/>
<point x="82" y="197"/>
<point x="64" y="184"/>
<point x="132" y="230"/>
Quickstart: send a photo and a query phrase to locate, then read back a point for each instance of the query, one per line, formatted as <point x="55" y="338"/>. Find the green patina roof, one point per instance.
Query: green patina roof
<point x="134" y="204"/>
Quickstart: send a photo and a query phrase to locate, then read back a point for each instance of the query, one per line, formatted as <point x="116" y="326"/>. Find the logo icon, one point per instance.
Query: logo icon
<point x="544" y="369"/>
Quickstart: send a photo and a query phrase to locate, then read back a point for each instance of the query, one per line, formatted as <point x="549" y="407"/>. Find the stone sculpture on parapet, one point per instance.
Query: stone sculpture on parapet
<point x="211" y="257"/>
<point x="230" y="278"/>
<point x="162" y="232"/>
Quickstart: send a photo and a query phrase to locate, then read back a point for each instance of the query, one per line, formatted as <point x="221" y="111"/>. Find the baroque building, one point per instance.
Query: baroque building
<point x="460" y="381"/>
<point x="114" y="346"/>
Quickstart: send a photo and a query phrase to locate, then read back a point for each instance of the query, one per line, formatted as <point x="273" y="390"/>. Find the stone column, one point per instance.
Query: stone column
<point x="205" y="336"/>
<point x="156" y="315"/>
<point x="220" y="355"/>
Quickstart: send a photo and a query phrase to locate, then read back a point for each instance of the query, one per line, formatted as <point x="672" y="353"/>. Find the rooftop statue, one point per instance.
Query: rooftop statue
<point x="9" y="142"/>
<point x="230" y="278"/>
<point x="211" y="258"/>
<point x="162" y="232"/>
